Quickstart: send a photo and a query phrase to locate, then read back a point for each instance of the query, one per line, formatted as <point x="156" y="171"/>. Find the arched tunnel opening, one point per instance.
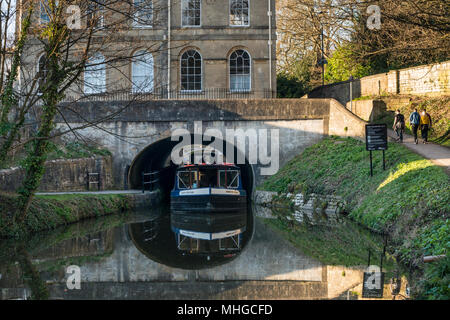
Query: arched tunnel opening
<point x="157" y="157"/>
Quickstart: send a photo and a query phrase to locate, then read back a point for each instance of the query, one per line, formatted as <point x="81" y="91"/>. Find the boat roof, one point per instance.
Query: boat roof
<point x="209" y="165"/>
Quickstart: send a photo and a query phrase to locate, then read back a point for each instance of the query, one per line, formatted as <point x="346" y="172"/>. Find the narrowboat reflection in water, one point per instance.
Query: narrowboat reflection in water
<point x="192" y="242"/>
<point x="208" y="236"/>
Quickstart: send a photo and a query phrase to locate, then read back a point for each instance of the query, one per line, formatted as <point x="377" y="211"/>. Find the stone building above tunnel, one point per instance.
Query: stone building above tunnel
<point x="176" y="49"/>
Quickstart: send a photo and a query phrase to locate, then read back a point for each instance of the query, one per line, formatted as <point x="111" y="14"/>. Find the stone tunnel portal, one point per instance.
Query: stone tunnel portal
<point x="157" y="157"/>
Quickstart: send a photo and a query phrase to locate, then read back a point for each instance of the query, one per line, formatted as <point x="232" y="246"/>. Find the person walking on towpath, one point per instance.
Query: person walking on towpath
<point x="414" y="121"/>
<point x="399" y="125"/>
<point x="425" y="125"/>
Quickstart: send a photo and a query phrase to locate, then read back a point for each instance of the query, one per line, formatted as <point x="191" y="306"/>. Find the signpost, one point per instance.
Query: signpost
<point x="376" y="139"/>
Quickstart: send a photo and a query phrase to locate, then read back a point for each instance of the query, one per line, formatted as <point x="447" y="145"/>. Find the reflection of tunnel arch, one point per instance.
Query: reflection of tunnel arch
<point x="155" y="239"/>
<point x="156" y="157"/>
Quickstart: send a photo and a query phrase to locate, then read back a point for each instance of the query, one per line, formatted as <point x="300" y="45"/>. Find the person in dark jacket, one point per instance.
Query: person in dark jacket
<point x="414" y="121"/>
<point x="399" y="125"/>
<point x="425" y="125"/>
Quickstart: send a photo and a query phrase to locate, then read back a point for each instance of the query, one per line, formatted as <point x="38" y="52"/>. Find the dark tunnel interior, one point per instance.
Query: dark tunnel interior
<point x="156" y="157"/>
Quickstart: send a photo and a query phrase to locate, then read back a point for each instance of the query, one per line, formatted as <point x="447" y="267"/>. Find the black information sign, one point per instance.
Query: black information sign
<point x="373" y="285"/>
<point x="376" y="137"/>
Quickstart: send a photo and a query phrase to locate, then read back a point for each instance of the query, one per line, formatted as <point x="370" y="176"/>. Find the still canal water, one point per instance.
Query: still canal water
<point x="140" y="255"/>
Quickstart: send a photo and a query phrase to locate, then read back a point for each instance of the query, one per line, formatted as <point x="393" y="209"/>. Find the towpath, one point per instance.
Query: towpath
<point x="437" y="154"/>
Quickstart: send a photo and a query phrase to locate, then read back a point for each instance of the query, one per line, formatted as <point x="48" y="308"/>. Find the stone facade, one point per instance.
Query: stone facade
<point x="215" y="39"/>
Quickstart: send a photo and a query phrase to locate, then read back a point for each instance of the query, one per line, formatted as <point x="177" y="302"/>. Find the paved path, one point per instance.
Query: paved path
<point x="439" y="155"/>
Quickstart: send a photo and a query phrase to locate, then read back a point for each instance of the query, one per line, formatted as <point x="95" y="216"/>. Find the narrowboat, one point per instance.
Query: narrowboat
<point x="208" y="188"/>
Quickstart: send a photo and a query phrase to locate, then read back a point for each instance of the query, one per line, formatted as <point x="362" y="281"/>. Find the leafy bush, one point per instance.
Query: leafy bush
<point x="436" y="282"/>
<point x="344" y="63"/>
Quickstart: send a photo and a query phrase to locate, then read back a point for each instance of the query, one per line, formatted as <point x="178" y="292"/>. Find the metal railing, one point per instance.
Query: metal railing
<point x="164" y="94"/>
<point x="154" y="179"/>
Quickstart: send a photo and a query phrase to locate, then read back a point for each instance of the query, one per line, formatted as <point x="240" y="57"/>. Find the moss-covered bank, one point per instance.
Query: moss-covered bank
<point x="49" y="212"/>
<point x="410" y="200"/>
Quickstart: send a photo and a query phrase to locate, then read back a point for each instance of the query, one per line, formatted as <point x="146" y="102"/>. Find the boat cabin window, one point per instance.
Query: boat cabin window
<point x="199" y="178"/>
<point x="208" y="177"/>
<point x="187" y="179"/>
<point x="228" y="178"/>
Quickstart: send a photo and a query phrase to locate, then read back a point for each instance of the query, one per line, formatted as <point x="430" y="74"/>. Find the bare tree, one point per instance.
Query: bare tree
<point x="411" y="32"/>
<point x="63" y="64"/>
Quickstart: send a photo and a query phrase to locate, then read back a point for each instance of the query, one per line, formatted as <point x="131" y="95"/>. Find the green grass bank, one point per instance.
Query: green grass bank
<point x="410" y="200"/>
<point x="49" y="212"/>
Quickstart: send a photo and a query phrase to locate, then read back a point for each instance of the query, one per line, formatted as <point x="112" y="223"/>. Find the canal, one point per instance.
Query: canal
<point x="140" y="255"/>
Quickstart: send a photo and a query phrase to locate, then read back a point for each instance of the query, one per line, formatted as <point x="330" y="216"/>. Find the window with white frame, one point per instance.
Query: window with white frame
<point x="191" y="12"/>
<point x="143" y="13"/>
<point x="239" y="13"/>
<point x="95" y="14"/>
<point x="191" y="71"/>
<point x="95" y="75"/>
<point x="142" y="72"/>
<point x="240" y="71"/>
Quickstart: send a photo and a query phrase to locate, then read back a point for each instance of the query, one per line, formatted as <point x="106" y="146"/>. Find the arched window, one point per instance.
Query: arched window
<point x="95" y="75"/>
<point x="143" y="13"/>
<point x="42" y="71"/>
<point x="191" y="71"/>
<point x="239" y="12"/>
<point x="240" y="71"/>
<point x="142" y="72"/>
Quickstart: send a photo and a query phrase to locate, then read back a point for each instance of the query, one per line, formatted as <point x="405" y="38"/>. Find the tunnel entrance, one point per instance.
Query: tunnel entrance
<point x="157" y="157"/>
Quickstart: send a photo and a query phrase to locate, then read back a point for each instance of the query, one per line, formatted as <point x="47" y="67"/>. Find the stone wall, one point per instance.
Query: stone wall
<point x="430" y="79"/>
<point x="315" y="209"/>
<point x="433" y="79"/>
<point x="339" y="91"/>
<point x="63" y="175"/>
<point x="368" y="110"/>
<point x="344" y="123"/>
